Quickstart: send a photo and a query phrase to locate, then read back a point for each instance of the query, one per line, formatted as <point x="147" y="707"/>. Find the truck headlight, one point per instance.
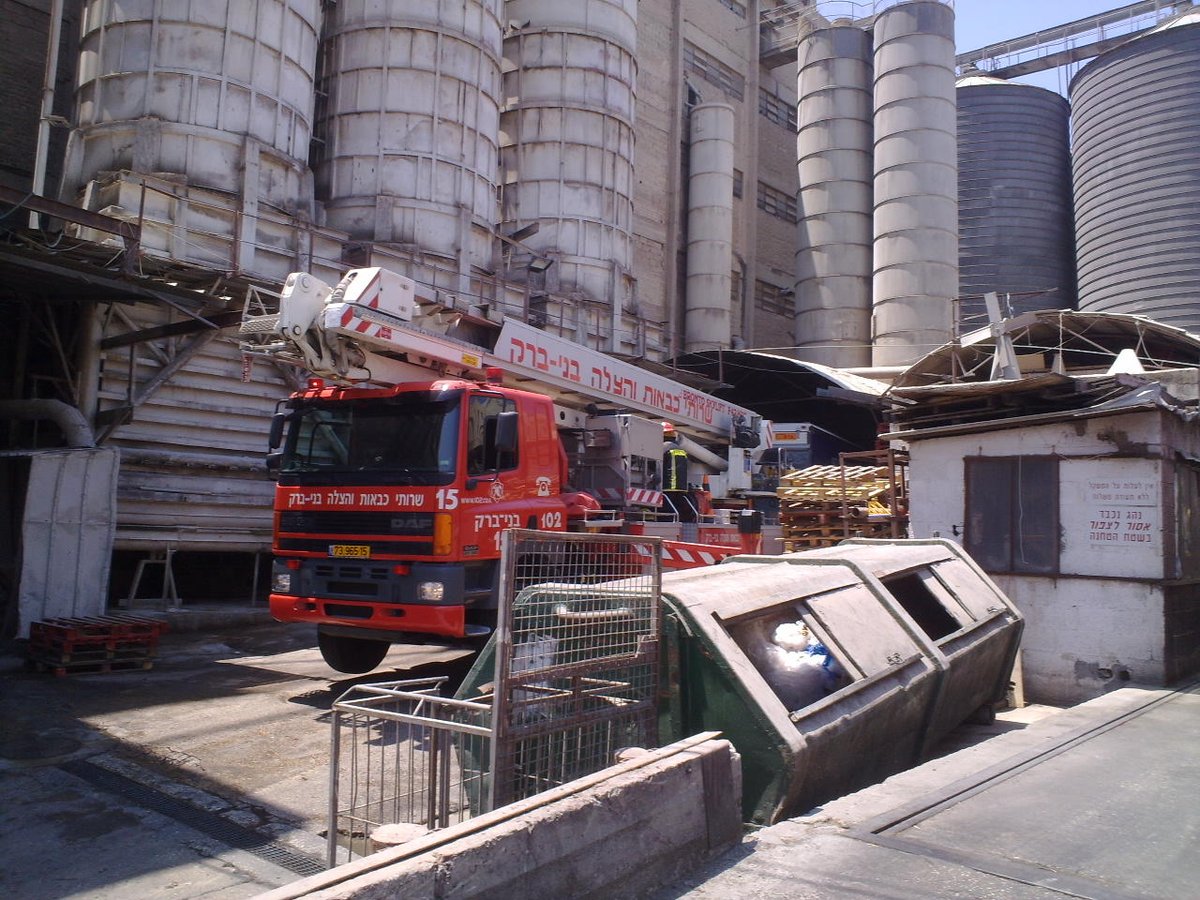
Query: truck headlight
<point x="431" y="591"/>
<point x="281" y="582"/>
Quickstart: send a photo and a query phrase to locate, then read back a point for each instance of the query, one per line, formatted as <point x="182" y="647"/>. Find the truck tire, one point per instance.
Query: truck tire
<point x="354" y="656"/>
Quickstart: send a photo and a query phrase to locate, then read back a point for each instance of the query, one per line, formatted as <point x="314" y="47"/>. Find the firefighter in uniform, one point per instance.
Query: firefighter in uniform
<point x="675" y="476"/>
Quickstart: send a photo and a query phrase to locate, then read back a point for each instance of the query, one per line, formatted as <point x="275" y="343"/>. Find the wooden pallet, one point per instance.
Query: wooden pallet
<point x="77" y="665"/>
<point x="93" y="644"/>
<point x="808" y="541"/>
<point x="821" y="506"/>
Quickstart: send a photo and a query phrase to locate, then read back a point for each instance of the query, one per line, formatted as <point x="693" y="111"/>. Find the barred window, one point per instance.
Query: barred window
<point x="774" y="299"/>
<point x="736" y="6"/>
<point x="1012" y="513"/>
<point x="735" y="286"/>
<point x="776" y="109"/>
<point x="776" y="203"/>
<point x="737" y="182"/>
<point x="714" y="71"/>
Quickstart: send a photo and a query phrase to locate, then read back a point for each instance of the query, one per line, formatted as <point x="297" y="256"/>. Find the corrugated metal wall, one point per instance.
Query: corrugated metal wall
<point x="192" y="471"/>
<point x="1135" y="117"/>
<point x="67" y="534"/>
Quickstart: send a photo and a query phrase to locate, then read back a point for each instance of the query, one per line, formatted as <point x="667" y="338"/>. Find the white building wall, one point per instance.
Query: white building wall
<point x="1086" y="636"/>
<point x="763" y="245"/>
<point x="1095" y="626"/>
<point x="939" y="500"/>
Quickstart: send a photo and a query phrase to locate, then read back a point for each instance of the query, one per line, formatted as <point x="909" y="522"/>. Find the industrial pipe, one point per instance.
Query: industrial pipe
<point x="43" y="134"/>
<point x="74" y="426"/>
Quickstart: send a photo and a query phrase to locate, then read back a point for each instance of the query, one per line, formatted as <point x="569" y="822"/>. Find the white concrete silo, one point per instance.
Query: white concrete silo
<point x="708" y="324"/>
<point x="916" y="182"/>
<point x="568" y="155"/>
<point x="411" y="124"/>
<point x="834" y="153"/>
<point x="220" y="93"/>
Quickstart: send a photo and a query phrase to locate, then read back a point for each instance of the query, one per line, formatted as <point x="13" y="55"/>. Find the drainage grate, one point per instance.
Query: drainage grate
<point x="205" y="822"/>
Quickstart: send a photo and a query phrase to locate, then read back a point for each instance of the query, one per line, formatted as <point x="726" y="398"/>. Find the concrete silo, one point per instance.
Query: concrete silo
<point x="1136" y="125"/>
<point x="834" y="156"/>
<point x="1016" y="234"/>
<point x="916" y="182"/>
<point x="220" y="93"/>
<point x="411" y="124"/>
<point x="568" y="154"/>
<point x="708" y="325"/>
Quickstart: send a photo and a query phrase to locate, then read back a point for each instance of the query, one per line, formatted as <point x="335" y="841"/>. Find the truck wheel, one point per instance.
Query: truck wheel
<point x="354" y="656"/>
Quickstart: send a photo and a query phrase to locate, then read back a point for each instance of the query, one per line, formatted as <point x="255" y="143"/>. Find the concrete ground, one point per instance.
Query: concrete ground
<point x="1096" y="801"/>
<point x="206" y="776"/>
<point x="203" y="776"/>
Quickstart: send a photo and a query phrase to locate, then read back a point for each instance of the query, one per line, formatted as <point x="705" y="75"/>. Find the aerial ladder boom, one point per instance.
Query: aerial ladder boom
<point x="371" y="328"/>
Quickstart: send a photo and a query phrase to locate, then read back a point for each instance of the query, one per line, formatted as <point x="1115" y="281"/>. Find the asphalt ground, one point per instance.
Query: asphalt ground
<point x="204" y="776"/>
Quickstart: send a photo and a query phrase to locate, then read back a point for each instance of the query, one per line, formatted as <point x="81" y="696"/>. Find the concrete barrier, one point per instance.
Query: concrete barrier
<point x="633" y="827"/>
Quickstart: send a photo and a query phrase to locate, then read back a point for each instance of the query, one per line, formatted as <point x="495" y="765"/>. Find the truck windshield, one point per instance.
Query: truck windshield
<point x="395" y="440"/>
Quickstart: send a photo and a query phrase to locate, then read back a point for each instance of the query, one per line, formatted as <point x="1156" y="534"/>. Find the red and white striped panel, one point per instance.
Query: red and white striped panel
<point x="676" y="555"/>
<point x="687" y="556"/>
<point x="632" y="496"/>
<point x="353" y="320"/>
<point x="643" y="497"/>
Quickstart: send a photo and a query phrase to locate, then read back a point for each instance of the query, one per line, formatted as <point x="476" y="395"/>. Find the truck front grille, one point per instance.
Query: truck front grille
<point x="375" y="523"/>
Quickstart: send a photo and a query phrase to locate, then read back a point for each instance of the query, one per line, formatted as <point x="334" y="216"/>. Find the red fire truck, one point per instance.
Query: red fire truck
<point x="411" y="450"/>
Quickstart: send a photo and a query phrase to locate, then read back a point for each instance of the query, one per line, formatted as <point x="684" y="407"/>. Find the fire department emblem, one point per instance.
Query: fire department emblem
<point x="543" y="486"/>
<point x="497" y="491"/>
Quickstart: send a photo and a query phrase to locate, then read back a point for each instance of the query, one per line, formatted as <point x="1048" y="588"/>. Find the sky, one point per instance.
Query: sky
<point x="982" y="22"/>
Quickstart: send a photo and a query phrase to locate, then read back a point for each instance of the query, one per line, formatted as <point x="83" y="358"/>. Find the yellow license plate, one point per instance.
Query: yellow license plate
<point x="350" y="551"/>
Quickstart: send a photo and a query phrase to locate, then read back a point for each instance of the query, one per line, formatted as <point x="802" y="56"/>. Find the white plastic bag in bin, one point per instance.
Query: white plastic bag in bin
<point x="798" y="667"/>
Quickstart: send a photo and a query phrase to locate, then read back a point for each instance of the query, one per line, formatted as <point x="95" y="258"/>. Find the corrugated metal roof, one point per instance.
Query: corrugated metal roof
<point x="788" y="390"/>
<point x="1086" y="342"/>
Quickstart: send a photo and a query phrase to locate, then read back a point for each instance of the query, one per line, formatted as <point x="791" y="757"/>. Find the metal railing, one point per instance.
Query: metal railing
<point x="1074" y="41"/>
<point x="576" y="656"/>
<point x="575" y="679"/>
<point x="403" y="754"/>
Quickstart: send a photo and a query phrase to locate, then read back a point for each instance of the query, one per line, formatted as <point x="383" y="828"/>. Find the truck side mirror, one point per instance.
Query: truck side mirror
<point x="506" y="432"/>
<point x="275" y="438"/>
<point x="274" y="459"/>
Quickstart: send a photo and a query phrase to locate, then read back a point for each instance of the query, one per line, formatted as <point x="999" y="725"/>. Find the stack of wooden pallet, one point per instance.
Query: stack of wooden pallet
<point x="823" y="505"/>
<point x="93" y="644"/>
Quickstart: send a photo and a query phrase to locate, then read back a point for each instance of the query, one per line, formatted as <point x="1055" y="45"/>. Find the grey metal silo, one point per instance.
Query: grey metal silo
<point x="411" y="124"/>
<point x="220" y="93"/>
<point x="1016" y="234"/>
<point x="834" y="161"/>
<point x="1136" y="123"/>
<point x="916" y="182"/>
<point x="567" y="156"/>
<point x="713" y="130"/>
